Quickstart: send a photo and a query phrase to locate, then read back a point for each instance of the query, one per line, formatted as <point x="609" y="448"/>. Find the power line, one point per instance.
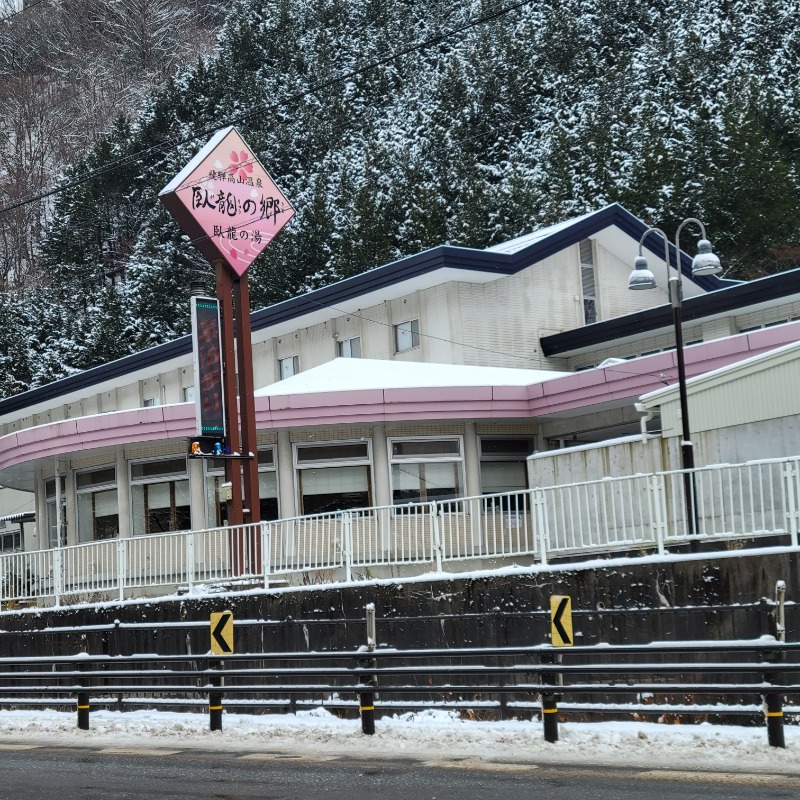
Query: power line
<point x="425" y="335"/>
<point x="173" y="143"/>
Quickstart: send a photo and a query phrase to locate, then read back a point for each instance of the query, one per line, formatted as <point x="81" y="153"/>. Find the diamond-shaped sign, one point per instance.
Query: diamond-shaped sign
<point x="226" y="202"/>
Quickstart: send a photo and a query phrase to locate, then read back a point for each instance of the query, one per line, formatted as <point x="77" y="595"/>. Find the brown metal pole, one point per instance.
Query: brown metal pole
<point x="241" y="297"/>
<point x="233" y="472"/>
<point x="247" y="410"/>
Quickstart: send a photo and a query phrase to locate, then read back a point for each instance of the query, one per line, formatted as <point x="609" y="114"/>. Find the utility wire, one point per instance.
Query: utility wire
<point x="425" y="335"/>
<point x="175" y="142"/>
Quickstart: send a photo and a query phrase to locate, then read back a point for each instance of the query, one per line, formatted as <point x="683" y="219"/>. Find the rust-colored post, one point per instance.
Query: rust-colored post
<point x="233" y="472"/>
<point x="247" y="412"/>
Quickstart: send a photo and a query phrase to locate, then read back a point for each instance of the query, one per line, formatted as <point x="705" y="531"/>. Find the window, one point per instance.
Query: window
<point x="504" y="465"/>
<point x="267" y="488"/>
<point x="349" y="348"/>
<point x="333" y="476"/>
<point x="406" y="336"/>
<point x="267" y="485"/>
<point x="288" y="366"/>
<point x="98" y="513"/>
<point x="588" y="282"/>
<point x="160" y="496"/>
<point x="424" y="470"/>
<point x="188" y="394"/>
<point x="149" y="402"/>
<point x="52" y="516"/>
<point x="11" y="541"/>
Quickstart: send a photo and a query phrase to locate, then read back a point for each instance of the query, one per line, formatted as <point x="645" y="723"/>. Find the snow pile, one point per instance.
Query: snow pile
<point x="429" y="735"/>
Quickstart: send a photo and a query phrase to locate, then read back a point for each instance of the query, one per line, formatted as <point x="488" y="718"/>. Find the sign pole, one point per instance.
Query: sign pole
<point x="247" y="414"/>
<point x="231" y="209"/>
<point x="233" y="472"/>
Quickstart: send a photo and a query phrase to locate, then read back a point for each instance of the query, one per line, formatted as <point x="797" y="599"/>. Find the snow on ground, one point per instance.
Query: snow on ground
<point x="432" y="736"/>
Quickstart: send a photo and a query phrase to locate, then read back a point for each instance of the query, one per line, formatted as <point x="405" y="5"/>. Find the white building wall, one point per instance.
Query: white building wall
<point x="376" y="332"/>
<point x="718" y="329"/>
<point x="171" y="386"/>
<point x="766" y="316"/>
<point x="500" y="319"/>
<point x="594" y="462"/>
<point x="437" y="325"/>
<point x="265" y="363"/>
<point x="317" y="345"/>
<point x="614" y="298"/>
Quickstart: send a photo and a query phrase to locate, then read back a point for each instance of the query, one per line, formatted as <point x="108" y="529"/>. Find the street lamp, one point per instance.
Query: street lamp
<point x="704" y="263"/>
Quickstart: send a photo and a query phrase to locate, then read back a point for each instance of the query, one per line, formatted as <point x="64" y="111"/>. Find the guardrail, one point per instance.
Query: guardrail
<point x="701" y="672"/>
<point x="638" y="512"/>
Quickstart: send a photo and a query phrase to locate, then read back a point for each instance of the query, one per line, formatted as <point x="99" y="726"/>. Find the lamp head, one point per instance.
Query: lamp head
<point x="641" y="277"/>
<point x="705" y="262"/>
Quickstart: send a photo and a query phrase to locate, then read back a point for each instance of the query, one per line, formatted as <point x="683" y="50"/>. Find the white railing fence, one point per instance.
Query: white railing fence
<point x="648" y="512"/>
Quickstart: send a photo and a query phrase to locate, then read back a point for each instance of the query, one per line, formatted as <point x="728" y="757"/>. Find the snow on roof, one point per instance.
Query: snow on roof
<point x="521" y="242"/>
<point x="351" y="374"/>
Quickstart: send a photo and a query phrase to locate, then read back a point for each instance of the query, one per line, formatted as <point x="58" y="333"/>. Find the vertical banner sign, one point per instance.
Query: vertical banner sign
<point x="209" y="400"/>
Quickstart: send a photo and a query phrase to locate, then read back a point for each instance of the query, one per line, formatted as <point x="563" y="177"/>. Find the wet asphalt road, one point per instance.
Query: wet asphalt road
<point x="71" y="773"/>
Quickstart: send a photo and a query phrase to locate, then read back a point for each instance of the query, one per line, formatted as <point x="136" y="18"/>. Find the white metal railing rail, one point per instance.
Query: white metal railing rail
<point x="631" y="513"/>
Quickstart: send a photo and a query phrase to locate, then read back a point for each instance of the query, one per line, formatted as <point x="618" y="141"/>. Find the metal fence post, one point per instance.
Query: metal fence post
<point x="215" y="698"/>
<point x="549" y="704"/>
<point x="773" y="702"/>
<point x="347" y="544"/>
<point x="266" y="542"/>
<point x="790" y="481"/>
<point x="540" y="521"/>
<point x="658" y="512"/>
<point x="436" y="536"/>
<point x="82" y="704"/>
<point x="366" y="700"/>
<point x="121" y="567"/>
<point x="58" y="576"/>
<point x="190" y="560"/>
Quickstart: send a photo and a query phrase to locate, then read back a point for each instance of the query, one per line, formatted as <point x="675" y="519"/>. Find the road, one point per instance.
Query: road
<point x="33" y="772"/>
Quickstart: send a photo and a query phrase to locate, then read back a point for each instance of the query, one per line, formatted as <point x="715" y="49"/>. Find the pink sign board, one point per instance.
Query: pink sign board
<point x="226" y="202"/>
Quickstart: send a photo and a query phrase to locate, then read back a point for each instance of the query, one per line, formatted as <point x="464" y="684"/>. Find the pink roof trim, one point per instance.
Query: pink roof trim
<point x="581" y="390"/>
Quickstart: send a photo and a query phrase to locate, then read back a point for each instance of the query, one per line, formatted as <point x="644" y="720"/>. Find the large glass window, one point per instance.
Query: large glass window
<point x="53" y="515"/>
<point x="333" y="476"/>
<point x="504" y="463"/>
<point x="160" y="497"/>
<point x="98" y="512"/>
<point x="425" y="470"/>
<point x="267" y="488"/>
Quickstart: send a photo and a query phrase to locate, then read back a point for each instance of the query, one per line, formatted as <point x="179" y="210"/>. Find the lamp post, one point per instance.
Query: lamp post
<point x="704" y="263"/>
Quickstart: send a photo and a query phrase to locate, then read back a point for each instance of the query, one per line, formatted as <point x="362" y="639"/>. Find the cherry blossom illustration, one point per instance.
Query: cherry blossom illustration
<point x="241" y="165"/>
<point x="241" y="252"/>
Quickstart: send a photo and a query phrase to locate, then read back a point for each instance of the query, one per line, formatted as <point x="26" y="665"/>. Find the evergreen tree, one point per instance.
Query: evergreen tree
<point x="683" y="109"/>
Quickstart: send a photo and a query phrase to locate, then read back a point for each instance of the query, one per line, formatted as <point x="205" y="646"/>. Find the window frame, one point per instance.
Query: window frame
<point x="413" y="332"/>
<point x="92" y="489"/>
<point x="212" y="471"/>
<point x="444" y="458"/>
<point x="170" y="478"/>
<point x="590" y="300"/>
<point x="299" y="466"/>
<point x="295" y="362"/>
<point x="340" y="346"/>
<point x="508" y="458"/>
